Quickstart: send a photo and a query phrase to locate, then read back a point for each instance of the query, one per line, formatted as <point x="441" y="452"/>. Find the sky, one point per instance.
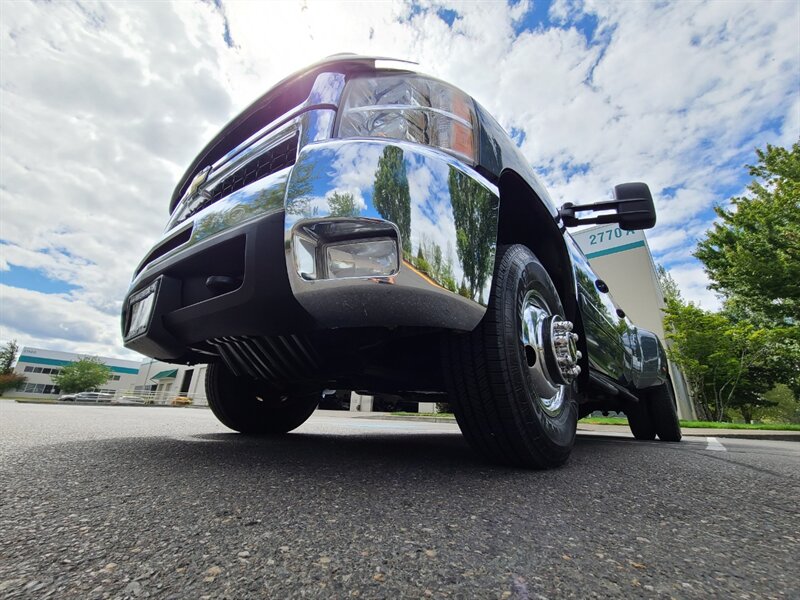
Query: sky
<point x="103" y="106"/>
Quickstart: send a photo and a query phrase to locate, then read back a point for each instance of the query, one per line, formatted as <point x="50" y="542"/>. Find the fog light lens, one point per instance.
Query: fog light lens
<point x="372" y="258"/>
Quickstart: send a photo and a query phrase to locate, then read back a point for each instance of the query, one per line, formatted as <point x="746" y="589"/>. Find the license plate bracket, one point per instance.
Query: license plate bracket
<point x="142" y="308"/>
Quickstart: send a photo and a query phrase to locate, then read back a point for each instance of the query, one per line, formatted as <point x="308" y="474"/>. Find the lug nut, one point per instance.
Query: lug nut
<point x="562" y="325"/>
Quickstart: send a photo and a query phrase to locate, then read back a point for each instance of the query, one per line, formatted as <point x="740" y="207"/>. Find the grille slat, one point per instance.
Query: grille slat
<point x="227" y="356"/>
<point x="276" y="350"/>
<point x="252" y="354"/>
<point x="278" y="359"/>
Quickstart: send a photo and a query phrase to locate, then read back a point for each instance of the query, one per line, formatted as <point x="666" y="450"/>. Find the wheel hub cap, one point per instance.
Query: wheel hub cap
<point x="550" y="352"/>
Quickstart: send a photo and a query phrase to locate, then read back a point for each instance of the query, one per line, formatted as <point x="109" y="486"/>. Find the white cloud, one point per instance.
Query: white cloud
<point x="693" y="283"/>
<point x="58" y="321"/>
<point x="104" y="105"/>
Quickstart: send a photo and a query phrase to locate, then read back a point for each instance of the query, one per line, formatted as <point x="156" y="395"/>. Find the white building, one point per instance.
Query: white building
<point x="164" y="381"/>
<point x="150" y="379"/>
<point x="623" y="260"/>
<point x="39" y="366"/>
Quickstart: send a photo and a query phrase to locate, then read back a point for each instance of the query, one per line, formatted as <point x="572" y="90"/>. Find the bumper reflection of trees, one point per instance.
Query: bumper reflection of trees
<point x="475" y="219"/>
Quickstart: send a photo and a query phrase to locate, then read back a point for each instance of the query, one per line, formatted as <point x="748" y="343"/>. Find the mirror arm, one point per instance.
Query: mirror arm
<point x="568" y="210"/>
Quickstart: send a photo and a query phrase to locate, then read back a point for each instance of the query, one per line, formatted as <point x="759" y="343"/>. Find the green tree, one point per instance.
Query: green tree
<point x="432" y="261"/>
<point x="11" y="381"/>
<point x="668" y="285"/>
<point x="300" y="188"/>
<point x="729" y="364"/>
<point x="422" y="263"/>
<point x="342" y="205"/>
<point x="752" y="254"/>
<point x="84" y="374"/>
<point x="8" y="354"/>
<point x="391" y="195"/>
<point x="476" y="228"/>
<point x="784" y="408"/>
<point x="8" y="379"/>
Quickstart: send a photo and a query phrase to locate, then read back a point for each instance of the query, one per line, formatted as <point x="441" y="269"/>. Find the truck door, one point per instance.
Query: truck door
<point x="605" y="329"/>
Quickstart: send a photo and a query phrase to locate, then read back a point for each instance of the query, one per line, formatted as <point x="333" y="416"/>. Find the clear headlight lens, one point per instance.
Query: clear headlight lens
<point x="412" y="108"/>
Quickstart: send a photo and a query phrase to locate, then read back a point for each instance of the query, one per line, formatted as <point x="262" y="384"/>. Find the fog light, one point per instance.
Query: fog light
<point x="370" y="258"/>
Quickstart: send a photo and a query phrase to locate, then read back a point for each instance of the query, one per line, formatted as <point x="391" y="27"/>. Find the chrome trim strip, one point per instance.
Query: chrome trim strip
<point x="276" y="124"/>
<point x="325" y="93"/>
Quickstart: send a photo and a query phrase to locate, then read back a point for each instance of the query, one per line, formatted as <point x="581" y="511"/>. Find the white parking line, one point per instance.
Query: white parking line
<point x="714" y="445"/>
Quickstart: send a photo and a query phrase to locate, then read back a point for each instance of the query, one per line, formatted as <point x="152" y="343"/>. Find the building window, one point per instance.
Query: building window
<point x="39" y="388"/>
<point x="42" y="370"/>
<point x="115" y="378"/>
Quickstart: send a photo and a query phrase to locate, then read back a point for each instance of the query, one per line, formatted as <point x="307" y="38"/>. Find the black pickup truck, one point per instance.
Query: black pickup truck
<point x="364" y="227"/>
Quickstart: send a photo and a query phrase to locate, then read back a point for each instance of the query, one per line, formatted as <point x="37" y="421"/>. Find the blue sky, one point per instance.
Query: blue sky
<point x="34" y="279"/>
<point x="104" y="105"/>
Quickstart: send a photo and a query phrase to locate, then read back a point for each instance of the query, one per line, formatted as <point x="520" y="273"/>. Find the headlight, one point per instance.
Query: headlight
<point x="413" y="108"/>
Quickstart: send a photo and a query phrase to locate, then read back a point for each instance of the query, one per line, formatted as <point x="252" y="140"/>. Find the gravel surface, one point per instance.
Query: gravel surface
<point x="134" y="502"/>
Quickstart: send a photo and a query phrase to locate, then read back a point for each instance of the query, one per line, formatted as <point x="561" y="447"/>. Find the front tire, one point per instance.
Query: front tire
<point x="508" y="399"/>
<point x="250" y="406"/>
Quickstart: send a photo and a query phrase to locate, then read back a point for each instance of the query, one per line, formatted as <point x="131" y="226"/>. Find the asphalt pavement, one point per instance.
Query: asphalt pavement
<point x="136" y="502"/>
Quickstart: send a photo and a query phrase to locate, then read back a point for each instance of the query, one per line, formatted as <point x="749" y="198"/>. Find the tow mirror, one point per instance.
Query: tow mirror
<point x="632" y="205"/>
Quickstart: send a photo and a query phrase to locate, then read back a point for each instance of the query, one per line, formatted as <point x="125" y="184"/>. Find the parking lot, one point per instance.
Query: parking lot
<point x="113" y="501"/>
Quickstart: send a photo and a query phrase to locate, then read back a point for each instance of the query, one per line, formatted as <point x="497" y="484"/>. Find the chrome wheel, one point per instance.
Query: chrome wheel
<point x="550" y="352"/>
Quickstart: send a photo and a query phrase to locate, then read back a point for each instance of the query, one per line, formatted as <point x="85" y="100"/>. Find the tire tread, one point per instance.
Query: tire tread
<point x="476" y="372"/>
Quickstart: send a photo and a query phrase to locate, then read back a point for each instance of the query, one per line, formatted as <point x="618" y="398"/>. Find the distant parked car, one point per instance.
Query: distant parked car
<point x="67" y="398"/>
<point x="128" y="400"/>
<point x="181" y="401"/>
<point x="94" y="397"/>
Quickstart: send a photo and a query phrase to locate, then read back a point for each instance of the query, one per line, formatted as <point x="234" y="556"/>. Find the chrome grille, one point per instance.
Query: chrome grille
<point x="279" y="157"/>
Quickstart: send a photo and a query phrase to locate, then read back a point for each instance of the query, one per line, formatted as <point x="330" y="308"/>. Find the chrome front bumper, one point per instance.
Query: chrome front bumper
<point x="442" y="214"/>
